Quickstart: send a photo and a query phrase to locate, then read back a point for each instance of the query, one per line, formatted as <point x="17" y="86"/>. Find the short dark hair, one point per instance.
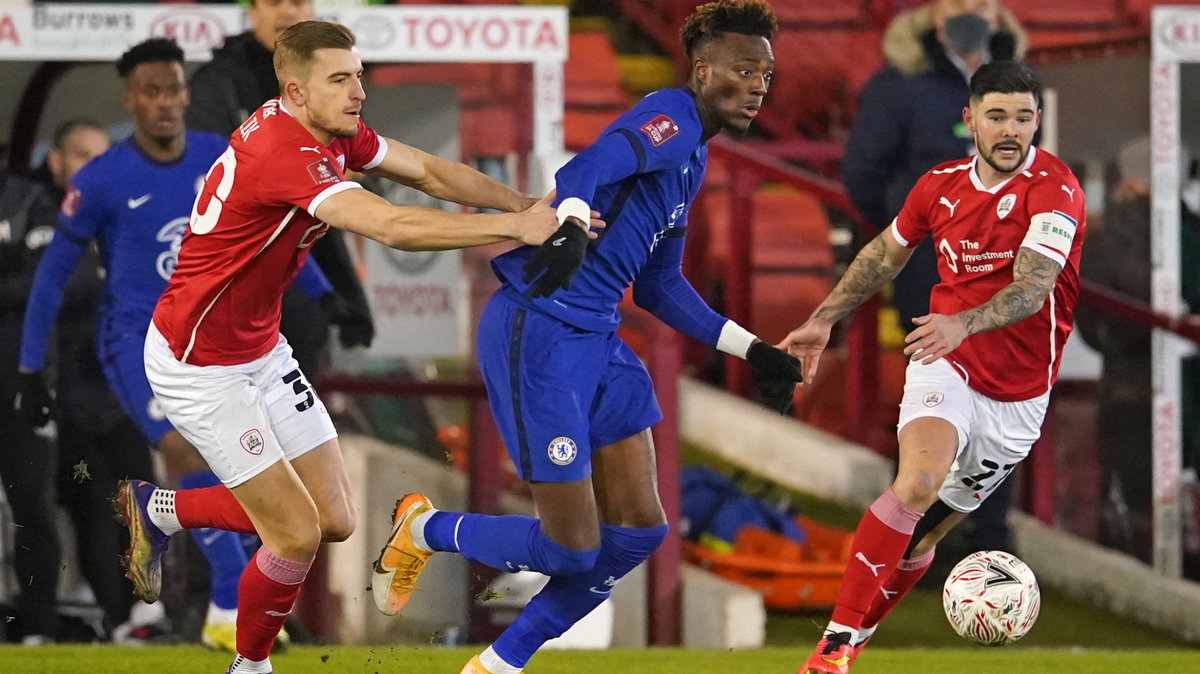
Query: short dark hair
<point x="64" y="130"/>
<point x="296" y="45"/>
<point x="1005" y="77"/>
<point x="710" y="21"/>
<point x="154" y="50"/>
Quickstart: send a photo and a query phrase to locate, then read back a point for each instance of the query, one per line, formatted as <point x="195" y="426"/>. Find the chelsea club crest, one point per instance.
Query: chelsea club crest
<point x="562" y="450"/>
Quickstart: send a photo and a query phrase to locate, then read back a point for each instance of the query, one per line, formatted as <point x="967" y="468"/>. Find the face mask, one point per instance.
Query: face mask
<point x="968" y="33"/>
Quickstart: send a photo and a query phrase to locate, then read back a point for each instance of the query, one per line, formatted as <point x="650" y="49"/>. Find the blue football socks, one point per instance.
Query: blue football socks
<point x="567" y="599"/>
<point x="223" y="549"/>
<point x="507" y="543"/>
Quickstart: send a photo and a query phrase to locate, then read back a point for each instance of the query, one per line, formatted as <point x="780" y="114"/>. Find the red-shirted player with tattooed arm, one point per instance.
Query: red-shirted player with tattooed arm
<point x="214" y="356"/>
<point x="1008" y="225"/>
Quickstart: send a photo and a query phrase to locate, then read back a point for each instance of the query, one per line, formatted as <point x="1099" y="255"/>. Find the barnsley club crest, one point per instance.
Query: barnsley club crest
<point x="1006" y="205"/>
<point x="252" y="441"/>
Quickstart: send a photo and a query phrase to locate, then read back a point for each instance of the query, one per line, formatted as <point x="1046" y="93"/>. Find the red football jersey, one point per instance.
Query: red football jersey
<point x="977" y="233"/>
<point x="249" y="233"/>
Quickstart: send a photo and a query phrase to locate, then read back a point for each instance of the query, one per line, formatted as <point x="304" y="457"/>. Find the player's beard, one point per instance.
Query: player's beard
<point x="987" y="157"/>
<point x="334" y="129"/>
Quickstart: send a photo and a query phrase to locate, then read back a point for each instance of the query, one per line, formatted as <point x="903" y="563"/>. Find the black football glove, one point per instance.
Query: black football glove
<point x="355" y="327"/>
<point x="776" y="374"/>
<point x="33" y="401"/>
<point x="559" y="257"/>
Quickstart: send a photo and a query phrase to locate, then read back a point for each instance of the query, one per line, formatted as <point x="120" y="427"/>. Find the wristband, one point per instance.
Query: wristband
<point x="574" y="207"/>
<point x="735" y="340"/>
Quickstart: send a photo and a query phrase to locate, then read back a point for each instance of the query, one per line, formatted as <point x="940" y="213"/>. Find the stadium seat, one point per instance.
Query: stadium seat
<point x="593" y="95"/>
<point x="593" y="77"/>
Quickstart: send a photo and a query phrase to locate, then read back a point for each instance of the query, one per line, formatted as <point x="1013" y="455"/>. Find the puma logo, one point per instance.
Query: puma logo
<point x="946" y="202"/>
<point x="888" y="594"/>
<point x="277" y="614"/>
<point x="1070" y="192"/>
<point x="310" y="149"/>
<point x="558" y="241"/>
<point x="873" y="567"/>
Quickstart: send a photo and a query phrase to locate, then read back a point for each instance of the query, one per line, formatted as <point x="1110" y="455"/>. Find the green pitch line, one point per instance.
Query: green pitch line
<point x="430" y="660"/>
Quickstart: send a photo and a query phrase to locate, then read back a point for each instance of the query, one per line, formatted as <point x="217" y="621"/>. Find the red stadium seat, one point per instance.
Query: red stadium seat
<point x="593" y="96"/>
<point x="592" y="74"/>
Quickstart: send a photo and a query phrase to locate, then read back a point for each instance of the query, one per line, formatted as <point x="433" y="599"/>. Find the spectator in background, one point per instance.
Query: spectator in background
<point x="1118" y="257"/>
<point x="98" y="443"/>
<point x="910" y="118"/>
<point x="27" y="459"/>
<point x="225" y="91"/>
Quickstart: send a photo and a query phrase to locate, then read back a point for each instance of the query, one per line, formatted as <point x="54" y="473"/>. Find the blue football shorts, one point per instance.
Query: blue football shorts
<point x="558" y="392"/>
<point x="125" y="369"/>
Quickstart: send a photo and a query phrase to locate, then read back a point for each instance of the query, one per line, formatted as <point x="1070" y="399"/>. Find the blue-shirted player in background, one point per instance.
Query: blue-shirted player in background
<point x="573" y="402"/>
<point x="135" y="200"/>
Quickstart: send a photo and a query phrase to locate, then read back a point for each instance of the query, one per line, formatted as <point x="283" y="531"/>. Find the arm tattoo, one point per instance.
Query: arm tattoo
<point x="870" y="271"/>
<point x="1033" y="279"/>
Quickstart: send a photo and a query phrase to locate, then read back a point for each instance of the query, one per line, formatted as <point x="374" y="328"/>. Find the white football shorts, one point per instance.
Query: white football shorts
<point x="242" y="418"/>
<point x="993" y="436"/>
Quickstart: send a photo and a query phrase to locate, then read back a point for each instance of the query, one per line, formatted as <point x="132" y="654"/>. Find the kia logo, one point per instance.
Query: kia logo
<point x="196" y="31"/>
<point x="1181" y="31"/>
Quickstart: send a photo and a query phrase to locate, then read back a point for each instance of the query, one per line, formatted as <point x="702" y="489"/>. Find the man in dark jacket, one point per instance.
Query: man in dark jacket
<point x="225" y="91"/>
<point x="28" y="459"/>
<point x="910" y="117"/>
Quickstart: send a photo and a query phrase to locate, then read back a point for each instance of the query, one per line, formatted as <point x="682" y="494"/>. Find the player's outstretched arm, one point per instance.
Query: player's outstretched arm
<point x="936" y="335"/>
<point x="416" y="228"/>
<point x="448" y="180"/>
<point x="874" y="267"/>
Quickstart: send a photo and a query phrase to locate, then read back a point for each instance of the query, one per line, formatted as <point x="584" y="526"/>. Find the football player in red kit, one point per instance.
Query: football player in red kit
<point x="225" y="376"/>
<point x="1008" y="225"/>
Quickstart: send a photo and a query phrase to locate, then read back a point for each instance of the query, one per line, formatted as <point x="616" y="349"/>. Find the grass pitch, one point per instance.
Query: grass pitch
<point x="432" y="660"/>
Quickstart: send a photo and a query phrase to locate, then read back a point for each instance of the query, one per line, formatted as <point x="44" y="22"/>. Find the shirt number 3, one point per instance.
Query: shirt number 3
<point x="203" y="221"/>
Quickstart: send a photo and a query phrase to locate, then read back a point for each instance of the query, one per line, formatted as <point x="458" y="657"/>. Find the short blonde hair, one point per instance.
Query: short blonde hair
<point x="295" y="47"/>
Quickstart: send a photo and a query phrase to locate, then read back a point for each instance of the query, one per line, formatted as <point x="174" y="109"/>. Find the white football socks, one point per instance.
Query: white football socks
<point x="495" y="664"/>
<point x="418" y="529"/>
<point x="244" y="665"/>
<point x="162" y="511"/>
<point x="837" y="627"/>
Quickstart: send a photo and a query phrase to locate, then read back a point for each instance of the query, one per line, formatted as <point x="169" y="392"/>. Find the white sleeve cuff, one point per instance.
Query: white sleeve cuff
<point x="735" y="340"/>
<point x="380" y="153"/>
<point x="573" y="207"/>
<point x="333" y="189"/>
<point x="896" y="233"/>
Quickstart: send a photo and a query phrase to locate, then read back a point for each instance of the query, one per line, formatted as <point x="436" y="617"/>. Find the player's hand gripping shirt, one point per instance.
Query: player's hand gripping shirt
<point x="641" y="174"/>
<point x="977" y="234"/>
<point x="249" y="232"/>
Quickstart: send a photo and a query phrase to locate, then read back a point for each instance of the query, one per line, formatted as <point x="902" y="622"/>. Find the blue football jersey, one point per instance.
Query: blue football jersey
<point x="663" y="136"/>
<point x="137" y="210"/>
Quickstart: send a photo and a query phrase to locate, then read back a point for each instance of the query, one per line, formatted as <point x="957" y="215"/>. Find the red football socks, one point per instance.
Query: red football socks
<point x="879" y="543"/>
<point x="266" y="594"/>
<point x="211" y="507"/>
<point x="906" y="575"/>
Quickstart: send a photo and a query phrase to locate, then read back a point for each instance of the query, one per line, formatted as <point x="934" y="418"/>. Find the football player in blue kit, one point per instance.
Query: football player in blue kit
<point x="135" y="200"/>
<point x="573" y="402"/>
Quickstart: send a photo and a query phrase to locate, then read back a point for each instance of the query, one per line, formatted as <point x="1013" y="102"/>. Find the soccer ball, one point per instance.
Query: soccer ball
<point x="991" y="598"/>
